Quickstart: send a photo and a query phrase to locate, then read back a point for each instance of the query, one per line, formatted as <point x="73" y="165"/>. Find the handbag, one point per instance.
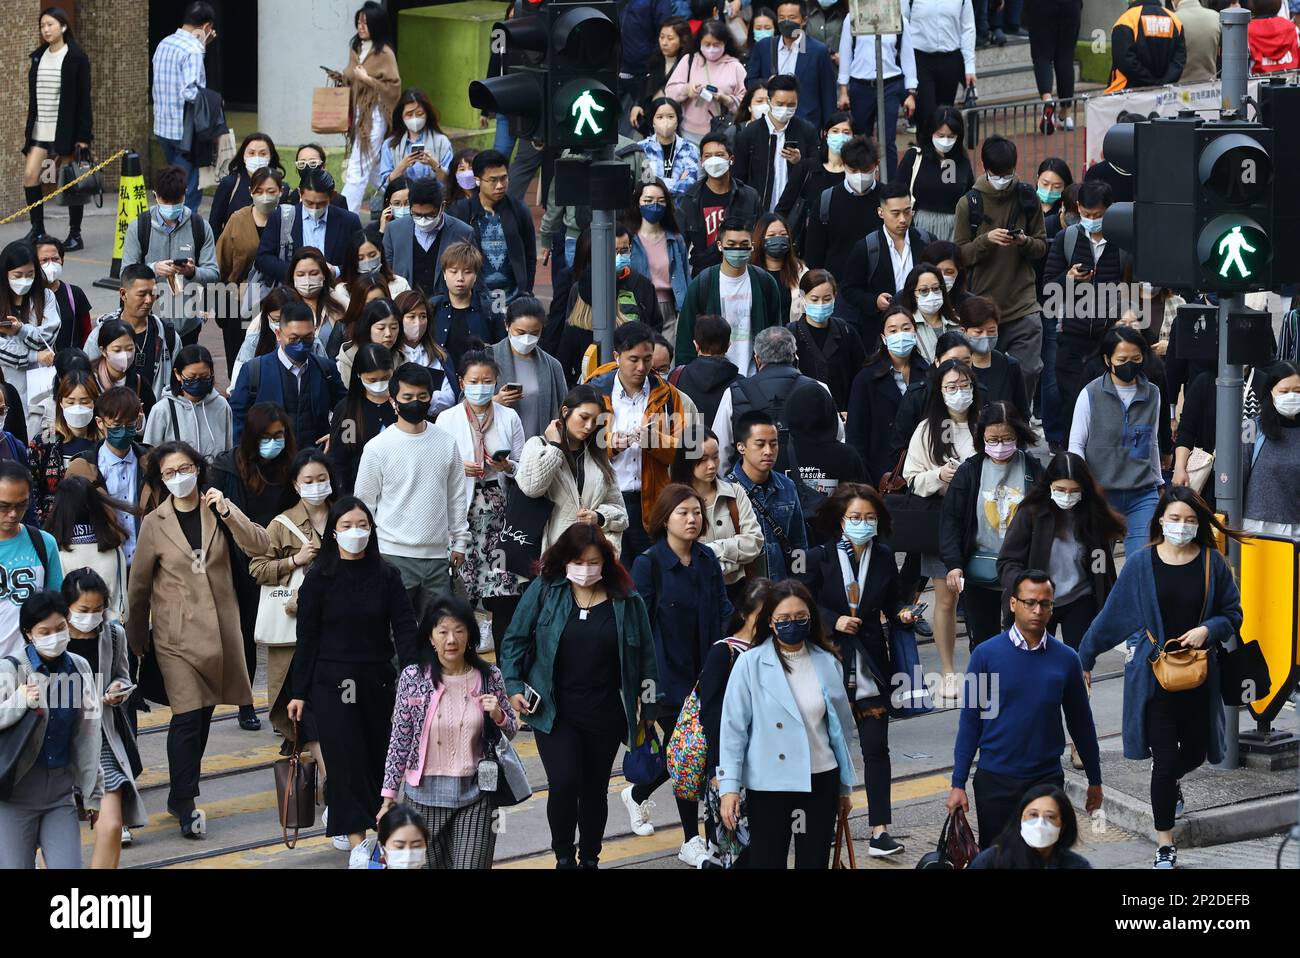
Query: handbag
<point x="274" y="625"/>
<point x="909" y="695"/>
<point x="507" y="777"/>
<point x="1243" y="675"/>
<point x="149" y="677"/>
<point x="844" y="837"/>
<point x="91" y="188"/>
<point x="893" y="482"/>
<point x="1183" y="668"/>
<point x="331" y="109"/>
<point x="970" y="114"/>
<point x="14" y="739"/>
<point x="295" y="792"/>
<point x="957" y="847"/>
<point x="1200" y="466"/>
<point x="982" y="569"/>
<point x="688" y="746"/>
<point x="916" y="522"/>
<point x="644" y="762"/>
<point x="522" y="530"/>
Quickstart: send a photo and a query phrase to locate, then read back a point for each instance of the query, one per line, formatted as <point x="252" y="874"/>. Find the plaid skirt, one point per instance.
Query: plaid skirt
<point x="461" y="838"/>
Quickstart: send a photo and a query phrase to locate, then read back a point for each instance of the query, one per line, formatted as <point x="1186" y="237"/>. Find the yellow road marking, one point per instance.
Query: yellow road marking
<point x="161" y="714"/>
<point x="249" y="758"/>
<point x="272" y="855"/>
<point x="224" y="808"/>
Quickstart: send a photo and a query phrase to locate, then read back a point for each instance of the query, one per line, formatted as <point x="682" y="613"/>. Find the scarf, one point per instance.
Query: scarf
<point x="479" y="431"/>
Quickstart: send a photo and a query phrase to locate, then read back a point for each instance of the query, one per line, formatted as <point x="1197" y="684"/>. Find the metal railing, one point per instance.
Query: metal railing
<point x="1022" y="122"/>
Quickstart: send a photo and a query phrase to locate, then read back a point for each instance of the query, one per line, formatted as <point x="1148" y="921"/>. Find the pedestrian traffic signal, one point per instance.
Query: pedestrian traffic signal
<point x="1279" y="110"/>
<point x="519" y="93"/>
<point x="1234" y="170"/>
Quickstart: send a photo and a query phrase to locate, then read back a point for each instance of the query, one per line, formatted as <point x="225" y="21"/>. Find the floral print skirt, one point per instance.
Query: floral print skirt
<point x="483" y="573"/>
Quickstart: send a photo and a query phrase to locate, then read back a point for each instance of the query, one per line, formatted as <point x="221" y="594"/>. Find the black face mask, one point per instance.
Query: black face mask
<point x="788" y="28"/>
<point x="1127" y="372"/>
<point x="417" y="410"/>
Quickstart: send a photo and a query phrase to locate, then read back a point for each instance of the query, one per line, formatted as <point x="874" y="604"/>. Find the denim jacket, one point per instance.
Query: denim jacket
<point x="779" y="498"/>
<point x="686" y="163"/>
<point x="679" y="267"/>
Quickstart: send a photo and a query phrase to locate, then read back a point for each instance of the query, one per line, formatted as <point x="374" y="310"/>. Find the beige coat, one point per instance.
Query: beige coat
<point x="274" y="566"/>
<point x="237" y="246"/>
<point x="195" y="614"/>
<point x="735" y="548"/>
<point x="543" y="472"/>
<point x="383" y="92"/>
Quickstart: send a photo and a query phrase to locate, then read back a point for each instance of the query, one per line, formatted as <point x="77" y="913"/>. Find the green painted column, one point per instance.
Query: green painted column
<point x="443" y="48"/>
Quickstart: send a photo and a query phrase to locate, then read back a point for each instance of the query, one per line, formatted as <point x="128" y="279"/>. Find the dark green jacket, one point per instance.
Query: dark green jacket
<point x="704" y="298"/>
<point x="535" y="633"/>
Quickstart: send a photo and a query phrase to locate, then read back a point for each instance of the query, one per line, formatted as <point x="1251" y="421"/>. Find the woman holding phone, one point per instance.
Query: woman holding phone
<point x="416" y="146"/>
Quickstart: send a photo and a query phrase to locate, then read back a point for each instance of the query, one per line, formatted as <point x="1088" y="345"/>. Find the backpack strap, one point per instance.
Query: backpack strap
<point x="176" y="425"/>
<point x="200" y="235"/>
<point x="1071" y="241"/>
<point x="825" y="206"/>
<point x="975" y="211"/>
<point x="873" y="252"/>
<point x="142" y="230"/>
<point x="38" y="543"/>
<point x="291" y="527"/>
<point x="916" y="168"/>
<point x="675" y="375"/>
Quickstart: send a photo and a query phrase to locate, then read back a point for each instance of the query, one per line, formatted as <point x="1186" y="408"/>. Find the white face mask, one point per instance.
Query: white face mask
<point x="307" y="285"/>
<point x="379" y="388"/>
<point x="1179" y="533"/>
<point x="1066" y="500"/>
<point x="86" y="621"/>
<point x="949" y="281"/>
<point x="50" y="646"/>
<point x="959" y="401"/>
<point x="52" y="270"/>
<point x="717" y="166"/>
<point x="860" y="182"/>
<point x="930" y="303"/>
<point x="316" y="492"/>
<point x="353" y="541"/>
<point x="414" y="124"/>
<point x="1287" y="404"/>
<point x="783" y="114"/>
<point x="944" y="143"/>
<point x="121" y="361"/>
<point x="1039" y="833"/>
<point x="1000" y="182"/>
<point x="758" y="110"/>
<point x="524" y="344"/>
<point x="404" y="858"/>
<point x="181" y="486"/>
<point x="424" y="222"/>
<point x="21" y="287"/>
<point x="255" y="163"/>
<point x="78" y="417"/>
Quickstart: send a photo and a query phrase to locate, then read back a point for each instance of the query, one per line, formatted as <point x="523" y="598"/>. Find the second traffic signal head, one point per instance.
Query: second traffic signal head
<point x="519" y="94"/>
<point x="1234" y="173"/>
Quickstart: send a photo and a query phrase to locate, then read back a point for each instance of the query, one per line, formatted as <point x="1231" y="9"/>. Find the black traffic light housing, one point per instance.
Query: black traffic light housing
<point x="1279" y="110"/>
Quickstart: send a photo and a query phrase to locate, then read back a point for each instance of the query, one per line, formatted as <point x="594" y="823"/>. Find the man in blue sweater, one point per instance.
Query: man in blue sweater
<point x="1024" y="681"/>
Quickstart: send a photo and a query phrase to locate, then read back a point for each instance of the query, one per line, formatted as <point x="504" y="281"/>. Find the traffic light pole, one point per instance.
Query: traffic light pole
<point x="882" y="173"/>
<point x="603" y="282"/>
<point x="1228" y="383"/>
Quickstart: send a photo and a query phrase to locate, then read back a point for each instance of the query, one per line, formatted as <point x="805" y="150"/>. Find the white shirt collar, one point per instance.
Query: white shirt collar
<point x="1019" y="641"/>
<point x="619" y="392"/>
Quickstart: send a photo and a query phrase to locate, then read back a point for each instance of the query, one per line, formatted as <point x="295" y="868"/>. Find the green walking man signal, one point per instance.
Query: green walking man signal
<point x="1234" y="242"/>
<point x="585" y="104"/>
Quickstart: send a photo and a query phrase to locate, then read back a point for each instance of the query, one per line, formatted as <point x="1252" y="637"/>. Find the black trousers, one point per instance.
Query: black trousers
<point x="353" y="705"/>
<point x="1071" y="353"/>
<point x="578" y="763"/>
<point x="687" y="811"/>
<point x="937" y="77"/>
<point x="983" y="613"/>
<point x="187" y="740"/>
<point x="1053" y="32"/>
<point x="1178" y="730"/>
<point x="635" y="539"/>
<point x="192" y="337"/>
<point x="232" y="336"/>
<point x="773" y="817"/>
<point x="997" y="797"/>
<point x="1074" y="619"/>
<point x="873" y="736"/>
<point x="503" y="609"/>
<point x="249" y="595"/>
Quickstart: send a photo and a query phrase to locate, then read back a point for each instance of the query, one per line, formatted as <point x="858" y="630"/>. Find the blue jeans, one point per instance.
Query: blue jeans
<point x="504" y="143"/>
<point x="173" y="155"/>
<point x="1007" y="17"/>
<point x="1049" y="398"/>
<point x="862" y="103"/>
<point x="1137" y="506"/>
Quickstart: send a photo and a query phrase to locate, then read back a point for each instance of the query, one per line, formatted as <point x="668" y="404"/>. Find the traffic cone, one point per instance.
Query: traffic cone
<point x="132" y="200"/>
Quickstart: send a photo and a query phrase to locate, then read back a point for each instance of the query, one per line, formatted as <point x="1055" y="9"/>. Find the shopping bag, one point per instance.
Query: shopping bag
<point x="330" y="109"/>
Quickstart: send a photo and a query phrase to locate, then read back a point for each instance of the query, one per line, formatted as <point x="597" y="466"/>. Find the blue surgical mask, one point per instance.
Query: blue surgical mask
<point x="652" y="212"/>
<point x="764" y="34"/>
<point x="1089" y="224"/>
<point x="479" y="394"/>
<point x="401" y="212"/>
<point x="622" y="261"/>
<point x="835" y="141"/>
<point x="901" y="344"/>
<point x="819" y="314"/>
<point x="859" y="531"/>
<point x="793" y="633"/>
<point x="170" y="211"/>
<point x="298" y="352"/>
<point x="269" y="448"/>
<point x="736" y="257"/>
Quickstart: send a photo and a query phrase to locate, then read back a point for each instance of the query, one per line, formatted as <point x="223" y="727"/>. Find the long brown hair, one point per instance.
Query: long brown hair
<point x="790" y="589"/>
<point x="571" y="544"/>
<point x="255" y="472"/>
<point x="790" y="264"/>
<point x="673" y="496"/>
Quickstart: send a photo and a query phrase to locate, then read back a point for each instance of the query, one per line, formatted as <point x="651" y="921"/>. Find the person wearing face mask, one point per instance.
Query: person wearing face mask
<point x="416" y="147"/>
<point x="795" y="54"/>
<point x="237" y="247"/>
<point x="482" y="429"/>
<point x="830" y="350"/>
<point x="880" y="263"/>
<point x="191" y="410"/>
<point x="61" y="755"/>
<point x="26" y="553"/>
<point x="401" y="842"/>
<point x="741" y="293"/>
<point x="814" y="174"/>
<point x="659" y="249"/>
<point x="1272" y="504"/>
<point x="717" y="196"/>
<point x="774" y="251"/>
<point x="1180" y="592"/>
<point x="100" y="639"/>
<point x="581" y="647"/>
<point x="151" y="343"/>
<point x="376" y="87"/>
<point x="74" y="307"/>
<point x="946" y="257"/>
<point x="925" y="297"/>
<point x="363" y="414"/>
<point x="295" y="541"/>
<point x="354" y="621"/>
<point x="314" y="220"/>
<point x="1041" y="835"/>
<point x="416" y="247"/>
<point x="72" y="432"/>
<point x="854" y="580"/>
<point x="859" y="73"/>
<point x="1120" y="425"/>
<point x="178" y="76"/>
<point x="532" y="380"/>
<point x="235" y="190"/>
<point x="982" y="500"/>
<point x="29" y="322"/>
<point x="997" y="372"/>
<point x="379" y="322"/>
<point x="503" y="230"/>
<point x="768" y="150"/>
<point x="397" y="201"/>
<point x="878" y="388"/>
<point x="709" y="85"/>
<point x="365" y="257"/>
<point x="938" y="172"/>
<point x="783" y="765"/>
<point x="183" y="563"/>
<point x="841" y="216"/>
<point x="999" y="229"/>
<point x="179" y="246"/>
<point x="676" y="40"/>
<point x="673" y="159"/>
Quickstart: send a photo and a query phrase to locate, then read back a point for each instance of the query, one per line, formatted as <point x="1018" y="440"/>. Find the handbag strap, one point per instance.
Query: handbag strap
<point x="291" y="527"/>
<point x="289" y="788"/>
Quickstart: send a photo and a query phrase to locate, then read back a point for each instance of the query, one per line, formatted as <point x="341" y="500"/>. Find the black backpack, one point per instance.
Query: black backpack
<point x="773" y="403"/>
<point x="144" y="227"/>
<point x="1027" y="204"/>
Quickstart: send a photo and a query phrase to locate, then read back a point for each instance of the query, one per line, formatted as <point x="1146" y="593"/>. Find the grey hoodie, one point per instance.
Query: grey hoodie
<point x="205" y="425"/>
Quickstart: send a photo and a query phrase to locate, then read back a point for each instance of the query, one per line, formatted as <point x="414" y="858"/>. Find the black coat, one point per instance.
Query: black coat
<point x="1028" y="545"/>
<point x="1002" y="379"/>
<point x="1081" y="319"/>
<point x="799" y="201"/>
<point x="755" y="154"/>
<point x="957" y="526"/>
<point x="231" y="196"/>
<point x="74" y="123"/>
<point x="873" y="407"/>
<point x="742" y="201"/>
<point x="849" y="218"/>
<point x="861" y="290"/>
<point x="880" y="593"/>
<point x="835" y="364"/>
<point x="516" y="223"/>
<point x="705" y="379"/>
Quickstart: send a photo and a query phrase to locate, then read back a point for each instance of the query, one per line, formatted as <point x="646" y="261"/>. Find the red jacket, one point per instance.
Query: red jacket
<point x="1273" y="45"/>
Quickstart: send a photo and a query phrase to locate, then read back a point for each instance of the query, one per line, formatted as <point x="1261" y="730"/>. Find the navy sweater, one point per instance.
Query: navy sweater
<point x="1020" y="736"/>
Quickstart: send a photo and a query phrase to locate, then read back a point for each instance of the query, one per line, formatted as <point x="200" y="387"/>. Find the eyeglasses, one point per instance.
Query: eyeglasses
<point x="189" y="470"/>
<point x="797" y="619"/>
<point x="1034" y="604"/>
<point x="8" y="508"/>
<point x="927" y="290"/>
<point x="307" y="164"/>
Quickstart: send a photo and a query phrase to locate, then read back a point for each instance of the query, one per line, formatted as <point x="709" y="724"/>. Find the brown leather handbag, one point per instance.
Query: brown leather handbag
<point x="893" y="481"/>
<point x="844" y="838"/>
<point x="295" y="792"/>
<point x="1183" y="668"/>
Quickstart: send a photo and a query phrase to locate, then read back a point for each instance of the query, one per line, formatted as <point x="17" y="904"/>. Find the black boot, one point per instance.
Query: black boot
<point x="37" y="214"/>
<point x="248" y="719"/>
<point x="74" y="241"/>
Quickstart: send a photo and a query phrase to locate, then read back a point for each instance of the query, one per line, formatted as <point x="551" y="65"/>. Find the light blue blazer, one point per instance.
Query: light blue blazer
<point x="763" y="742"/>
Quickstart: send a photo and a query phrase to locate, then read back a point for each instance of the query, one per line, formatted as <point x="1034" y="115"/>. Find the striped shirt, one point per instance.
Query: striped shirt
<point x="49" y="85"/>
<point x="178" y="73"/>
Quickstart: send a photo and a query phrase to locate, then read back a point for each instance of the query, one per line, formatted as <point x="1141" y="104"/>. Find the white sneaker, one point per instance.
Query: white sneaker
<point x="485" y="636"/>
<point x="638" y="814"/>
<point x="341" y="843"/>
<point x="695" y="852"/>
<point x="127" y="839"/>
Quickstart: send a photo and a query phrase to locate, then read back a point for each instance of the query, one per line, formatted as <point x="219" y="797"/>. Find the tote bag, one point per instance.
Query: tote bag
<point x="525" y="523"/>
<point x="330" y="109"/>
<point x="275" y="626"/>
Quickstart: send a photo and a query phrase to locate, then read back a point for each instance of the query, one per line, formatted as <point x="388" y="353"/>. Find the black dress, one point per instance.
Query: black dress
<point x="346" y="457"/>
<point x="587" y="684"/>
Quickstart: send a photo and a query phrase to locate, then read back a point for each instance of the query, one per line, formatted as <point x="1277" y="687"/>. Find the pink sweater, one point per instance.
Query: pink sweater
<point x="727" y="74"/>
